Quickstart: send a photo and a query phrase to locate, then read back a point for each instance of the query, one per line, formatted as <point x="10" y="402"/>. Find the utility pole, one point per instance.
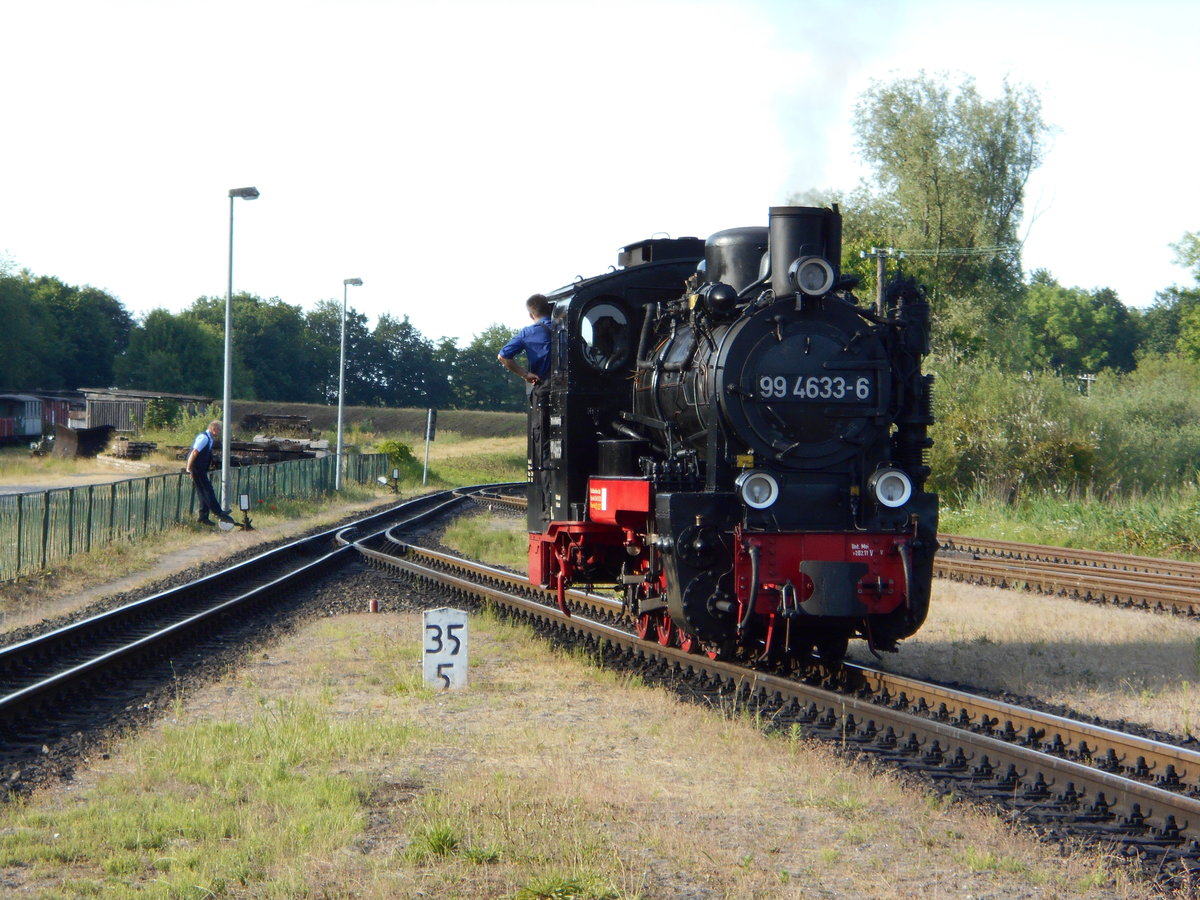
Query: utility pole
<point x="881" y="254"/>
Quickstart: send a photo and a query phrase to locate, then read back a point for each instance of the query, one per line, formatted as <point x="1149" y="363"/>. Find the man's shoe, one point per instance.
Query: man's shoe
<point x="226" y="518"/>
<point x="205" y="520"/>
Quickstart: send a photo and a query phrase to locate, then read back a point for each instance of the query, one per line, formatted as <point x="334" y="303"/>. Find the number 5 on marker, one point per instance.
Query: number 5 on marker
<point x="445" y="645"/>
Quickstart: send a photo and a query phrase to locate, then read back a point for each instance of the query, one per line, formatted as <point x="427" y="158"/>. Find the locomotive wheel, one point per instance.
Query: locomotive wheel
<point x="688" y="642"/>
<point x="644" y="625"/>
<point x="666" y="629"/>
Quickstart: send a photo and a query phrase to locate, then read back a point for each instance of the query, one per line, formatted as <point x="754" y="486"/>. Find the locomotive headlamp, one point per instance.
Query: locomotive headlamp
<point x="757" y="489"/>
<point x="812" y="275"/>
<point x="891" y="487"/>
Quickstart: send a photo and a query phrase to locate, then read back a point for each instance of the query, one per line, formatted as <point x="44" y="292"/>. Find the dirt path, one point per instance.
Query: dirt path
<point x="99" y="471"/>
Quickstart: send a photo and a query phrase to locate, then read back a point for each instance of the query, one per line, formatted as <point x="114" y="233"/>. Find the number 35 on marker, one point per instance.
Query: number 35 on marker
<point x="445" y="643"/>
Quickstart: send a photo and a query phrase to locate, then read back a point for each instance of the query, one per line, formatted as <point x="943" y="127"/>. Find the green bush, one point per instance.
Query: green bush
<point x="161" y="414"/>
<point x="400" y="456"/>
<point x="1006" y="434"/>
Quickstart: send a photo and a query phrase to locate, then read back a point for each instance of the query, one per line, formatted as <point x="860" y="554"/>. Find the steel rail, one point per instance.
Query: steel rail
<point x="1100" y="559"/>
<point x="1162" y="592"/>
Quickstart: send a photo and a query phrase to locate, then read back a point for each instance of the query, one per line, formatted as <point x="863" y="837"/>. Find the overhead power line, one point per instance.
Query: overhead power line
<point x="966" y="251"/>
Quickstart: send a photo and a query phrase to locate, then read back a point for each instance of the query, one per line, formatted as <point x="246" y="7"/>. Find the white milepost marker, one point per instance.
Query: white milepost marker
<point x="445" y="642"/>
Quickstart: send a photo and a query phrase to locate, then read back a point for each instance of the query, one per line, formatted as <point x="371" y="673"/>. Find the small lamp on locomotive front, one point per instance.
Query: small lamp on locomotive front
<point x="891" y="487"/>
<point x="758" y="490"/>
<point x="812" y="275"/>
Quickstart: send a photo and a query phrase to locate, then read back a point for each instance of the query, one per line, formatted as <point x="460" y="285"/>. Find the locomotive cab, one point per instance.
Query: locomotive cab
<point x="597" y="323"/>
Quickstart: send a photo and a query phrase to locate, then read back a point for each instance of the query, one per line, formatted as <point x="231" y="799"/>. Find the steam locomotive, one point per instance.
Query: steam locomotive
<point x="736" y="444"/>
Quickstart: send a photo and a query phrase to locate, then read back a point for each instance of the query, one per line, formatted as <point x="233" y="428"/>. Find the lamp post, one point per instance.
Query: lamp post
<point x="246" y="193"/>
<point x="337" y="472"/>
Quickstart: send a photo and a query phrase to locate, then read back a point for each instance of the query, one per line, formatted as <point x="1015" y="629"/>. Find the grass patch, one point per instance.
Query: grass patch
<point x="1161" y="523"/>
<point x="215" y="808"/>
<point x="434" y="840"/>
<point x="987" y="861"/>
<point x="566" y="887"/>
<point x="483" y="461"/>
<point x="495" y="540"/>
<point x="17" y="465"/>
<point x="541" y="781"/>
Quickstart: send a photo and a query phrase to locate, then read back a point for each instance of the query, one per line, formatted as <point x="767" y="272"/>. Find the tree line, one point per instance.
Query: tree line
<point x="61" y="337"/>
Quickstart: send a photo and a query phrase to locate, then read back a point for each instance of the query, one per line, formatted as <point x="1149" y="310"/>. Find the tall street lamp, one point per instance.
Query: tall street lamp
<point x="337" y="472"/>
<point x="246" y="193"/>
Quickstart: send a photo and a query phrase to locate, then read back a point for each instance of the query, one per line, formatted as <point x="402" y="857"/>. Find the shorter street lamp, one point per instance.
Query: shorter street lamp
<point x="337" y="476"/>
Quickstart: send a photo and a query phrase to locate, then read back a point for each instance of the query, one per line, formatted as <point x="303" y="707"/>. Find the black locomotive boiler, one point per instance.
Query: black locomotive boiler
<point x="734" y="442"/>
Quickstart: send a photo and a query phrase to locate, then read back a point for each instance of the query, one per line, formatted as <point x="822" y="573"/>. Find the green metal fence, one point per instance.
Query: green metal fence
<point x="41" y="528"/>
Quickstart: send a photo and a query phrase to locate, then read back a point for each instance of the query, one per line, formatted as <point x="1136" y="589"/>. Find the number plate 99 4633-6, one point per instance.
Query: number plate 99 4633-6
<point x="817" y="388"/>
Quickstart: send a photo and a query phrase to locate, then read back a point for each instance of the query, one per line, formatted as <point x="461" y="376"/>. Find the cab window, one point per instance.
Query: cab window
<point x="604" y="330"/>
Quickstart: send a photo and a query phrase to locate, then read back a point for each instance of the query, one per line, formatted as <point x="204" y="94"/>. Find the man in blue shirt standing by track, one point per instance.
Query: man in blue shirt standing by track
<point x="534" y="341"/>
<point x="198" y="461"/>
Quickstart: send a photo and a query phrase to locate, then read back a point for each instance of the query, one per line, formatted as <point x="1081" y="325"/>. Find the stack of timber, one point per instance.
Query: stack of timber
<point x="264" y="449"/>
<point x="269" y="448"/>
<point x="124" y="448"/>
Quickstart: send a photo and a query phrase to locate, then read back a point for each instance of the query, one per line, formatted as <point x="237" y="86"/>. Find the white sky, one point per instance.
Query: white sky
<point x="459" y="156"/>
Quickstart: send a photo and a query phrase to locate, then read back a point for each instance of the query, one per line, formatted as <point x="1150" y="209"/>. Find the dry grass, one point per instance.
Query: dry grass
<point x="18" y="468"/>
<point x="1116" y="663"/>
<point x="546" y="776"/>
<point x="456" y="449"/>
<point x="384" y="420"/>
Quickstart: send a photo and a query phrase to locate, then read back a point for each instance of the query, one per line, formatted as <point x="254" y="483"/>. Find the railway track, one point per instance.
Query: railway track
<point x="1068" y="776"/>
<point x="1122" y="579"/>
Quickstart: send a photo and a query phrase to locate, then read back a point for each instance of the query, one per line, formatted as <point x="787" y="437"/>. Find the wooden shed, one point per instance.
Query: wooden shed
<point x="125" y="411"/>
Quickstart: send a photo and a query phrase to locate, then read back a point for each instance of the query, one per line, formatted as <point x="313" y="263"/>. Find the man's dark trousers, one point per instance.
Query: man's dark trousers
<point x="208" y="497"/>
